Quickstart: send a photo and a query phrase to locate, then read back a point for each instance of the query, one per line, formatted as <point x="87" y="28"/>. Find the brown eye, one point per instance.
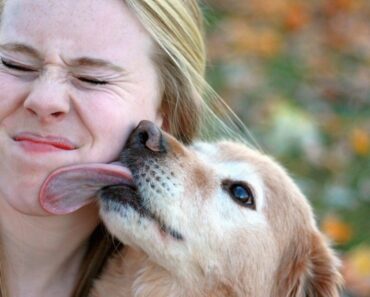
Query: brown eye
<point x="240" y="192"/>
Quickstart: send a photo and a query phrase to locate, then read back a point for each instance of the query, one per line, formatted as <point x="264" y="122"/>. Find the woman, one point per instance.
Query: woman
<point x="75" y="78"/>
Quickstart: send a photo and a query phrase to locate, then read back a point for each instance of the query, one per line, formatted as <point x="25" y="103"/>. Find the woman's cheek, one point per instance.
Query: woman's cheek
<point x="109" y="115"/>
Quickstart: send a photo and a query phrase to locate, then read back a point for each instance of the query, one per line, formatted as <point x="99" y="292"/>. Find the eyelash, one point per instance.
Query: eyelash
<point x="92" y="81"/>
<point x="15" y="66"/>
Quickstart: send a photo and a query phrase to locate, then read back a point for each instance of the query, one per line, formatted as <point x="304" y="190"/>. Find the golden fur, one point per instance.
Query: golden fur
<point x="220" y="248"/>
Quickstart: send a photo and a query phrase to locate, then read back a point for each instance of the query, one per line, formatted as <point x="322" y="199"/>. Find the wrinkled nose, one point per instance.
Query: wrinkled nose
<point x="48" y="101"/>
<point x="147" y="135"/>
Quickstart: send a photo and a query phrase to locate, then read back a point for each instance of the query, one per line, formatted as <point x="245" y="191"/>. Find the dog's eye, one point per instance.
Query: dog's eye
<point x="240" y="192"/>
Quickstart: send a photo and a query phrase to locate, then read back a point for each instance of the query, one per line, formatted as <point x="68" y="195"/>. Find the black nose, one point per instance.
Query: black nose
<point x="147" y="135"/>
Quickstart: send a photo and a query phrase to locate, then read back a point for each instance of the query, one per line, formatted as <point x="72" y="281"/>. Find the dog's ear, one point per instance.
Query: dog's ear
<point x="312" y="270"/>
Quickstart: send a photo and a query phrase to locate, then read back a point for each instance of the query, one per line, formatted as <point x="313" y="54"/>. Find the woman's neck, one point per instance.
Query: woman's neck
<point x="41" y="255"/>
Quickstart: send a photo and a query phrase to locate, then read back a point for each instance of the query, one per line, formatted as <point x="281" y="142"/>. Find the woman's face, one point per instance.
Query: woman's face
<point x="75" y="78"/>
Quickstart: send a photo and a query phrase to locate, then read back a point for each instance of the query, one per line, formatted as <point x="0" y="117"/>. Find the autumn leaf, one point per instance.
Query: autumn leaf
<point x="296" y="17"/>
<point x="337" y="229"/>
<point x="360" y="141"/>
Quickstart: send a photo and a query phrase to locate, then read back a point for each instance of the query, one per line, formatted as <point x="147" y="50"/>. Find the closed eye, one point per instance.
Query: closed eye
<point x="15" y="66"/>
<point x="92" y="81"/>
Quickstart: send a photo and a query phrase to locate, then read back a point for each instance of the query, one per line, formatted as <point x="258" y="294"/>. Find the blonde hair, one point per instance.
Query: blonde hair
<point x="176" y="26"/>
<point x="190" y="106"/>
<point x="177" y="29"/>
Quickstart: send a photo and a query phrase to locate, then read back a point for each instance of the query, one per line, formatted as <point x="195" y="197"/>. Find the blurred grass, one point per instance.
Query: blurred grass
<point x="298" y="74"/>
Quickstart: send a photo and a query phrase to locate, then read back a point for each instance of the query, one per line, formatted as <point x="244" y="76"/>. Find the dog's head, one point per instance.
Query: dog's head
<point x="219" y="215"/>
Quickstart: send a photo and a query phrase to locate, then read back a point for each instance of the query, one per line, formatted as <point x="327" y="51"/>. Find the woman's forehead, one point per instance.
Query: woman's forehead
<point x="84" y="27"/>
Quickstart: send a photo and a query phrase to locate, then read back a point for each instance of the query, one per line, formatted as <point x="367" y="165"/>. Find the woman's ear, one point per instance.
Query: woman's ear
<point x="311" y="271"/>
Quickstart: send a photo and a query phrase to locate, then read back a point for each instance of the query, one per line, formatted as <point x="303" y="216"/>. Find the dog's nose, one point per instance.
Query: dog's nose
<point x="147" y="135"/>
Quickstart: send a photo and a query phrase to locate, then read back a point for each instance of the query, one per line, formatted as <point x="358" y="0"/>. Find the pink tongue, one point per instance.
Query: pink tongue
<point x="69" y="188"/>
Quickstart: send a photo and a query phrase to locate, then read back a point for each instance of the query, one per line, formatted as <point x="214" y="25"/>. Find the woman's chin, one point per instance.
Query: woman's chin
<point x="29" y="204"/>
<point x="22" y="194"/>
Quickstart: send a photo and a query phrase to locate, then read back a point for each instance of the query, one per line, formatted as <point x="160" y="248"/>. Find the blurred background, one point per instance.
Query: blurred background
<point x="298" y="75"/>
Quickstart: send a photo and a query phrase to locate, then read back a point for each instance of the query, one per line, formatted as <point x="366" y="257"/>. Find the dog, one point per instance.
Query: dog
<point x="211" y="220"/>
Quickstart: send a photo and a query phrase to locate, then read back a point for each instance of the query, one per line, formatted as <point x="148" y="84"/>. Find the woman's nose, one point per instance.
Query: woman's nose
<point x="48" y="100"/>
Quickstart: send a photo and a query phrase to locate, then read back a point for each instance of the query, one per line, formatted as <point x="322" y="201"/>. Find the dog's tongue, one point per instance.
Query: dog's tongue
<point x="69" y="188"/>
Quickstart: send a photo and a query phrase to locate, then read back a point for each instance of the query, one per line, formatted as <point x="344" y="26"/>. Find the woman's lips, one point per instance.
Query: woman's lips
<point x="36" y="142"/>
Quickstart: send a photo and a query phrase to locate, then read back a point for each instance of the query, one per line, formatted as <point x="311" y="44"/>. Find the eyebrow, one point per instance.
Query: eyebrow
<point x="94" y="62"/>
<point x="21" y="48"/>
<point x="77" y="62"/>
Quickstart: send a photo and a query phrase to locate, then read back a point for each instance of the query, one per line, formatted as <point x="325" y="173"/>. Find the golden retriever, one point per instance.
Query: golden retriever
<point x="211" y="220"/>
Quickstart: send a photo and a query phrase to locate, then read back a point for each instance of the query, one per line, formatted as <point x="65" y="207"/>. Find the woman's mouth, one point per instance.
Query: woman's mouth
<point x="36" y="143"/>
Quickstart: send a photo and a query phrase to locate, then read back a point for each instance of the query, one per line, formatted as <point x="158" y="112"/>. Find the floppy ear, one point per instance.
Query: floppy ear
<point x="311" y="272"/>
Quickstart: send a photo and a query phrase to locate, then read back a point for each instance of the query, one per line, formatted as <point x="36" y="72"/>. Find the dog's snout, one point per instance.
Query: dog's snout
<point x="147" y="135"/>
